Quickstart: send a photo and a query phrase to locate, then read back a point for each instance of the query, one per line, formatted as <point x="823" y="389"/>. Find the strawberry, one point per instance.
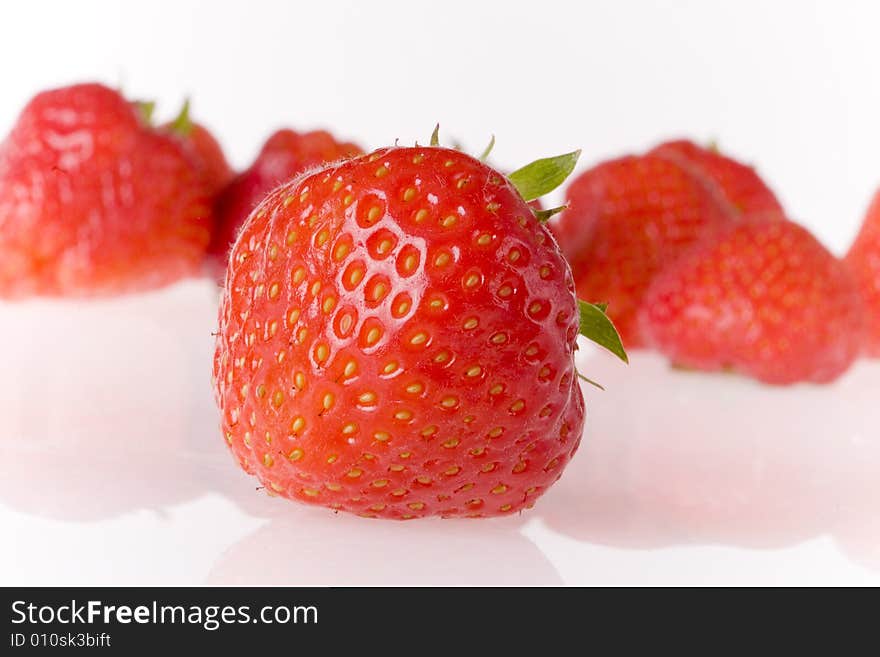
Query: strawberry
<point x="864" y="260"/>
<point x="765" y="299"/>
<point x="285" y="154"/>
<point x="397" y="335"/>
<point x="738" y="183"/>
<point x="626" y="219"/>
<point x="630" y="217"/>
<point x="203" y="148"/>
<point x="93" y="201"/>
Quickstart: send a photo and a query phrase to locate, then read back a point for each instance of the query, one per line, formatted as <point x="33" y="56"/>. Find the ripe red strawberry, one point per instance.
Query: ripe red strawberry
<point x="285" y="154"/>
<point x="765" y="299"/>
<point x="203" y="148"/>
<point x="864" y="260"/>
<point x="95" y="202"/>
<point x="627" y="218"/>
<point x="738" y="183"/>
<point x="396" y="340"/>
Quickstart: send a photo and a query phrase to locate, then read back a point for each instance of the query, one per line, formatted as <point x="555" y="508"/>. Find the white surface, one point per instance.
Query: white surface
<point x="112" y="468"/>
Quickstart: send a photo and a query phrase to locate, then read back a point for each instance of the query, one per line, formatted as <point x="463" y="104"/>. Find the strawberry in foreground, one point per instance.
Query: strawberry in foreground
<point x="864" y="260"/>
<point x="397" y="335"/>
<point x="284" y="155"/>
<point x="762" y="299"/>
<point x="93" y="201"/>
<point x="202" y="148"/>
<point x="630" y="217"/>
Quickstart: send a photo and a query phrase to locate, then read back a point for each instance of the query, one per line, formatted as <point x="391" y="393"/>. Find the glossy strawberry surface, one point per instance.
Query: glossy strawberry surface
<point x="396" y="340"/>
<point x="763" y="299"/>
<point x="95" y="202"/>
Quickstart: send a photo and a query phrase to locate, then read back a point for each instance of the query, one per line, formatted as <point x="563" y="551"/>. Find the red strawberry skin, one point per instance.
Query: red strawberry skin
<point x="205" y="151"/>
<point x="94" y="202"/>
<point x="396" y="340"/>
<point x="284" y="155"/>
<point x="764" y="299"/>
<point x="864" y="261"/>
<point x="739" y="184"/>
<point x="628" y="218"/>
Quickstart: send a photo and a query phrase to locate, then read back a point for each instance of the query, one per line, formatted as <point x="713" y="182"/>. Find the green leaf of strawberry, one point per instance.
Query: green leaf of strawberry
<point x="145" y="108"/>
<point x="590" y="381"/>
<point x="544" y="215"/>
<point x="488" y="150"/>
<point x="182" y="125"/>
<point x="596" y="326"/>
<point x="543" y="176"/>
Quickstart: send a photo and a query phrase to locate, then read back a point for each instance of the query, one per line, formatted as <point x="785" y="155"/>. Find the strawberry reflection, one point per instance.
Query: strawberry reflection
<point x="311" y="546"/>
<point x="106" y="405"/>
<point x="674" y="457"/>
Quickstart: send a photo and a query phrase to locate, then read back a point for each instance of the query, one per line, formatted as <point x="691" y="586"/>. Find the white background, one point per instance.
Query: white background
<point x="112" y="469"/>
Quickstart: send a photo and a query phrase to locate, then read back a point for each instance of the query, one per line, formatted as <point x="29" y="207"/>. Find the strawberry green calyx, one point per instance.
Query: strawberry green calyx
<point x="145" y="109"/>
<point x="543" y="216"/>
<point x="596" y="326"/>
<point x="533" y="180"/>
<point x="182" y="125"/>
<point x="543" y="176"/>
<point x="590" y="381"/>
